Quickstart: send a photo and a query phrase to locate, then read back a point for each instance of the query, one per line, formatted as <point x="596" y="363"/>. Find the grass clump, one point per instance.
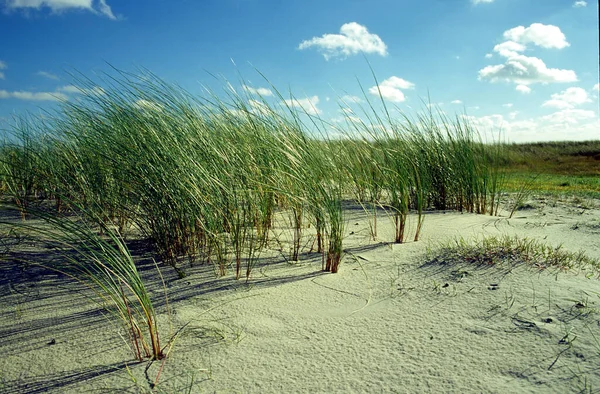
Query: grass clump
<point x="513" y="250"/>
<point x="104" y="265"/>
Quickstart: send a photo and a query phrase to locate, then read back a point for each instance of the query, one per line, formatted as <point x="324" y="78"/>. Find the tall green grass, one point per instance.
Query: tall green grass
<point x="204" y="177"/>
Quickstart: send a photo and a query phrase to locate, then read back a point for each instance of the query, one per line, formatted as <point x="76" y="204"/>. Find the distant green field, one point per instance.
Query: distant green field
<point x="555" y="167"/>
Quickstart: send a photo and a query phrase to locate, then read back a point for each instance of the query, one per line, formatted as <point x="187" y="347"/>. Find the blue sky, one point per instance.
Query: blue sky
<point x="527" y="67"/>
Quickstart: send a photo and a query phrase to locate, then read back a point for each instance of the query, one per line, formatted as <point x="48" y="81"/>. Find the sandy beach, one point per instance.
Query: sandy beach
<point x="392" y="320"/>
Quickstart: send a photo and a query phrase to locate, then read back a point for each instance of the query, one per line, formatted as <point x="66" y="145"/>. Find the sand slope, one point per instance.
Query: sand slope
<point x="387" y="322"/>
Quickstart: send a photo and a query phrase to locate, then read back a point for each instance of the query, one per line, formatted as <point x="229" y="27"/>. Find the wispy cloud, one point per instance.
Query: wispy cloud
<point x="72" y="89"/>
<point x="33" y="96"/>
<point x="47" y="75"/>
<point x="481" y="1"/>
<point x="258" y="91"/>
<point x="578" y="4"/>
<point x="456" y="102"/>
<point x="3" y="66"/>
<point x="390" y="89"/>
<point x="62" y="93"/>
<point x="98" y="7"/>
<point x="352" y="40"/>
<point x="351" y="99"/>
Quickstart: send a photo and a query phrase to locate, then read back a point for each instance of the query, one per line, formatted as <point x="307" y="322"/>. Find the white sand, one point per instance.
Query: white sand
<point x="385" y="323"/>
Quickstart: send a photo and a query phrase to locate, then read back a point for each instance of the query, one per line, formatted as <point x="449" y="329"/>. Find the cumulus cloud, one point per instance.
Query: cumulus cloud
<point x="33" y="96"/>
<point x="578" y="4"/>
<point x="523" y="89"/>
<point x="488" y="55"/>
<point x="481" y="1"/>
<point x="596" y="87"/>
<point x="456" y="102"/>
<point x="390" y="89"/>
<point x="526" y="70"/>
<point x="569" y="98"/>
<point x="545" y="36"/>
<point x="2" y="67"/>
<point x="98" y="7"/>
<point x="508" y="48"/>
<point x="308" y="105"/>
<point x="353" y="39"/>
<point x="259" y="91"/>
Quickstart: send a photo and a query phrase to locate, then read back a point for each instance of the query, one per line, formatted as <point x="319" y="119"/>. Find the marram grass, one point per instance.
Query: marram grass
<point x="203" y="177"/>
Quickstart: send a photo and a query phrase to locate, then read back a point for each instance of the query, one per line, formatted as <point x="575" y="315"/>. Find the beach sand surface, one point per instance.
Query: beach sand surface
<point x="390" y="321"/>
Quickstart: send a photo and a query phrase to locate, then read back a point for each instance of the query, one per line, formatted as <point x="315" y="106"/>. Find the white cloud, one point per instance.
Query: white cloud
<point x="523" y="89"/>
<point x="347" y="118"/>
<point x="308" y="105"/>
<point x="259" y="108"/>
<point x="488" y="55"/>
<point x="390" y="89"/>
<point x="578" y="4"/>
<point x="569" y="116"/>
<point x="596" y="87"/>
<point x="507" y="105"/>
<point x="353" y="39"/>
<point x="512" y="115"/>
<point x="481" y="1"/>
<point x="570" y="124"/>
<point x="33" y="96"/>
<point x="3" y="66"/>
<point x="508" y="48"/>
<point x="264" y="92"/>
<point x="456" y="102"/>
<point x="58" y="6"/>
<point x="47" y="75"/>
<point x="546" y="36"/>
<point x="351" y="99"/>
<point x="146" y="105"/>
<point x="72" y="89"/>
<point x="525" y="70"/>
<point x="568" y="98"/>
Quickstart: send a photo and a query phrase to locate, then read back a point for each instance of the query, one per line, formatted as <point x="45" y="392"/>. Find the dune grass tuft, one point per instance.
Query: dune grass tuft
<point x="513" y="250"/>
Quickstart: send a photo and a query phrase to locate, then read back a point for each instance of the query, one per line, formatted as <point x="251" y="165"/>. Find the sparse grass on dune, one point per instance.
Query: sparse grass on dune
<point x="503" y="250"/>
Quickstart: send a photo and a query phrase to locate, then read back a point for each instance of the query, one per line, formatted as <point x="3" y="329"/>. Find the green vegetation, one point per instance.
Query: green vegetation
<point x="204" y="180"/>
<point x="568" y="168"/>
<point x="492" y="251"/>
